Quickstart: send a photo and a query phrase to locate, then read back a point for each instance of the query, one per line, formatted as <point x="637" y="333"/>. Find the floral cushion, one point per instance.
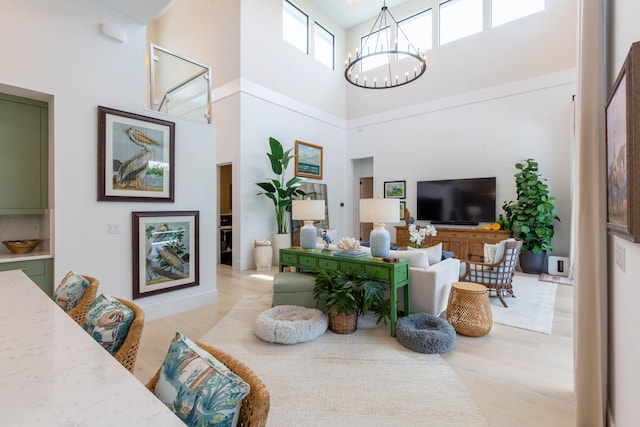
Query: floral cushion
<point x="199" y="389"/>
<point x="70" y="290"/>
<point x="108" y="321"/>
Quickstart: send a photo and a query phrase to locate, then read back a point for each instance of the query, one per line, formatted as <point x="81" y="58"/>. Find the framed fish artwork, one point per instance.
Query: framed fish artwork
<point x="165" y="251"/>
<point x="135" y="157"/>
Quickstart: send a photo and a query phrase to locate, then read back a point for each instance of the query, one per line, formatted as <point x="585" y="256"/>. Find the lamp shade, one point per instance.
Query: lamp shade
<point x="308" y="209"/>
<point x="379" y="210"/>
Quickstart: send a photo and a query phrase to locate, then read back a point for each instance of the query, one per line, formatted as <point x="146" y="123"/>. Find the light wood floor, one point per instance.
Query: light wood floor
<point x="516" y="377"/>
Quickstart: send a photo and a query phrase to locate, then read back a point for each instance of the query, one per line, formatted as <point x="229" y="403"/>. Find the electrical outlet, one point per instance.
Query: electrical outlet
<point x="114" y="229"/>
<point x="620" y="256"/>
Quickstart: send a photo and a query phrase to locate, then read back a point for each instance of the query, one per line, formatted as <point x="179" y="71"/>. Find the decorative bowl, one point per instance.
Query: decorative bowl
<point x="21" y="246"/>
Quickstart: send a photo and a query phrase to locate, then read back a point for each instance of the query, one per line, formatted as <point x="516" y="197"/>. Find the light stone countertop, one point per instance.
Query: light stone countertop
<point x="53" y="373"/>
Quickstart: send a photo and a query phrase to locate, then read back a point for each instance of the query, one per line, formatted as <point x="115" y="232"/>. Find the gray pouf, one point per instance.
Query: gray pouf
<point x="425" y="333"/>
<point x="290" y="324"/>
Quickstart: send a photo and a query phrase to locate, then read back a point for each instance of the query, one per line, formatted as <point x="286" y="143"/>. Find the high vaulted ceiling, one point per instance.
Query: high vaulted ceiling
<point x="346" y="13"/>
<point x="142" y="11"/>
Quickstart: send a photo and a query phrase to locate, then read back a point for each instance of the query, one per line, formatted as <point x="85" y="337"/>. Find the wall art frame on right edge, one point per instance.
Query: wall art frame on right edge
<point x="622" y="118"/>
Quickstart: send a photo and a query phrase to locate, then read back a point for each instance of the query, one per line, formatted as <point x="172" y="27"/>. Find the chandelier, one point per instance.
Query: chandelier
<point x="397" y="70"/>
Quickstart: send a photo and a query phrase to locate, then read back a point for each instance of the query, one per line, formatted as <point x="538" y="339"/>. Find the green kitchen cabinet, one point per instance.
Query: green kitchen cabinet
<point x="24" y="142"/>
<point x="38" y="270"/>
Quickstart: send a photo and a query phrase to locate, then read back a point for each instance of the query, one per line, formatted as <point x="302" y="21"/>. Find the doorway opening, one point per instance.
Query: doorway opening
<point x="225" y="214"/>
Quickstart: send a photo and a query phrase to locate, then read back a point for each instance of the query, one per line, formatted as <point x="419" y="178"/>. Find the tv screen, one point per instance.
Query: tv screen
<point x="457" y="201"/>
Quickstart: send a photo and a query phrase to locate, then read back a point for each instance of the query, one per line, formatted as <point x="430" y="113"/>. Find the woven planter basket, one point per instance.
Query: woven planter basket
<point x="343" y="323"/>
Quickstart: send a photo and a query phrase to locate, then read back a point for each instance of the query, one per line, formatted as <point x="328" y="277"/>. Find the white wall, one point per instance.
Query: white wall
<point x="271" y="62"/>
<point x="478" y="134"/>
<point x="206" y="31"/>
<point x="57" y="50"/>
<point x="624" y="336"/>
<point x="263" y="116"/>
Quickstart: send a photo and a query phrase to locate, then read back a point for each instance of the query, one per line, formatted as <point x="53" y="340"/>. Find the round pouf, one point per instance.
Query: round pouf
<point x="290" y="324"/>
<point x="425" y="333"/>
<point x="468" y="309"/>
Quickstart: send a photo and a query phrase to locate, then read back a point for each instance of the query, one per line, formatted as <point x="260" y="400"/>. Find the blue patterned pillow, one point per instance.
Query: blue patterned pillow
<point x="70" y="290"/>
<point x="108" y="321"/>
<point x="199" y="389"/>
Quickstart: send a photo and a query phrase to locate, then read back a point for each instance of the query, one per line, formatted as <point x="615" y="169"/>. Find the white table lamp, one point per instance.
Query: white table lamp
<point x="378" y="211"/>
<point x="307" y="210"/>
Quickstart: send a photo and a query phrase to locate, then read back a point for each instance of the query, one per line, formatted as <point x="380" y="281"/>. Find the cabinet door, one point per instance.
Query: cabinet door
<point x="23" y="163"/>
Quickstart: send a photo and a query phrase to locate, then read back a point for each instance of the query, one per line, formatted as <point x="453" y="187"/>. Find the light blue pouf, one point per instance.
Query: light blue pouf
<point x="425" y="333"/>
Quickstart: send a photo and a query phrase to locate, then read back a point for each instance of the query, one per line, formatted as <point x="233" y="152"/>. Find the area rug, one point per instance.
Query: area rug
<point x="561" y="280"/>
<point x="363" y="379"/>
<point x="532" y="308"/>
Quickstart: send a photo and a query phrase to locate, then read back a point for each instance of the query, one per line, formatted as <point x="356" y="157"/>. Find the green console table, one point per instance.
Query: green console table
<point x="396" y="274"/>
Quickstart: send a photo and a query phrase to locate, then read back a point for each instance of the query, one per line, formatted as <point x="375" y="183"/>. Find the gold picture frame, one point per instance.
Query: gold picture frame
<point x="308" y="160"/>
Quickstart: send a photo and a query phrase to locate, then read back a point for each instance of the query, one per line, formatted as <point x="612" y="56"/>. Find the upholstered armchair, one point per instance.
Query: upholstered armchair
<point x="497" y="273"/>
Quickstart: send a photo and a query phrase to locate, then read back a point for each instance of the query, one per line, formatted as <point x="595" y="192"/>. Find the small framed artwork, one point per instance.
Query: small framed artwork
<point x="395" y="189"/>
<point x="403" y="206"/>
<point x="135" y="157"/>
<point x="165" y="251"/>
<point x="308" y="160"/>
<point x="623" y="150"/>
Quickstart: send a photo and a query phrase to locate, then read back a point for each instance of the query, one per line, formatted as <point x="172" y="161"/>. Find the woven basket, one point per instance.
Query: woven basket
<point x="343" y="323"/>
<point x="468" y="309"/>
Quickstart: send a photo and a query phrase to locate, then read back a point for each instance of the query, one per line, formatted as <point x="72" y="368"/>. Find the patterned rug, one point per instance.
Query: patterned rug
<point x="363" y="379"/>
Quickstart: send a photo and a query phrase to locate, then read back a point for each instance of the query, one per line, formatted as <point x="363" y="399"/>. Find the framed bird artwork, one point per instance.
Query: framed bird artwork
<point x="165" y="251"/>
<point x="135" y="157"/>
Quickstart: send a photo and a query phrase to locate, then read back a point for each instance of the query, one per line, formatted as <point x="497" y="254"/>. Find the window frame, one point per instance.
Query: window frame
<point x="333" y="45"/>
<point x="413" y="16"/>
<point x="443" y="3"/>
<point x="491" y="15"/>
<point x="306" y="16"/>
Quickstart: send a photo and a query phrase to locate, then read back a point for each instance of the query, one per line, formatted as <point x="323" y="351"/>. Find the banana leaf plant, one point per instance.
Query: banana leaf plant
<point x="277" y="189"/>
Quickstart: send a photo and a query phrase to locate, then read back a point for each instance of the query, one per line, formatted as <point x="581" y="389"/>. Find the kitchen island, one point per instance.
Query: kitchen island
<point x="55" y="374"/>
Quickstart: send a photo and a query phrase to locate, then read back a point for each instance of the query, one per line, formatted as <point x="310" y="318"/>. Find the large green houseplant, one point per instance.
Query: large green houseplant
<point x="348" y="295"/>
<point x="532" y="215"/>
<point x="277" y="189"/>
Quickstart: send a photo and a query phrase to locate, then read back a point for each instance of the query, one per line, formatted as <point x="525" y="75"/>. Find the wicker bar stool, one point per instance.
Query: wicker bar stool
<point x="468" y="309"/>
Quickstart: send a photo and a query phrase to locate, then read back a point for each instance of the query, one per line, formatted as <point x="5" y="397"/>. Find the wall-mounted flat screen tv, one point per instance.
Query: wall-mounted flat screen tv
<point x="457" y="201"/>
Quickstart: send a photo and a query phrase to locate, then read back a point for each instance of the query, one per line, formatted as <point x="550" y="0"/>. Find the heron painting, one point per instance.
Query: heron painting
<point x="135" y="157"/>
<point x="165" y="251"/>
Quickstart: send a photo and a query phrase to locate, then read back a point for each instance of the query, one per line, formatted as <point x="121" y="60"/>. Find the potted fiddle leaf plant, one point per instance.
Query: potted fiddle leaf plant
<point x="280" y="192"/>
<point x="532" y="216"/>
<point x="348" y="295"/>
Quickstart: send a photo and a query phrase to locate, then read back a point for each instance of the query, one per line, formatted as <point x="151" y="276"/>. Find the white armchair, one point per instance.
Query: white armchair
<point x="430" y="284"/>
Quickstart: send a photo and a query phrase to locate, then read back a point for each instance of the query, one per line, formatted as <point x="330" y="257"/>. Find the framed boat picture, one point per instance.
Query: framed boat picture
<point x="308" y="160"/>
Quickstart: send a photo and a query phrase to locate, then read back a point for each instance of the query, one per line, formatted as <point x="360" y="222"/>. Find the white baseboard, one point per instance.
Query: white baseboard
<point x="178" y="305"/>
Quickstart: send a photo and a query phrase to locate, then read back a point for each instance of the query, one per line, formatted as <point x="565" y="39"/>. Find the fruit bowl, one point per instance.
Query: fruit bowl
<point x="21" y="246"/>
